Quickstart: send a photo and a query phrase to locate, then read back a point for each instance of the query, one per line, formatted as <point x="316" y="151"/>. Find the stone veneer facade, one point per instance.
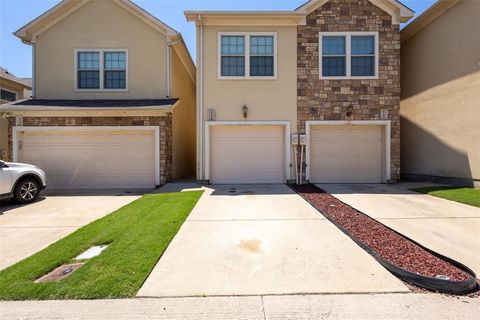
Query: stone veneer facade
<point x="163" y="122"/>
<point x="319" y="99"/>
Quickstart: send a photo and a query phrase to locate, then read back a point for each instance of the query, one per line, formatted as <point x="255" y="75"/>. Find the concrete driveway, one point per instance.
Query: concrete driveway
<point x="261" y="240"/>
<point x="447" y="227"/>
<point x="27" y="229"/>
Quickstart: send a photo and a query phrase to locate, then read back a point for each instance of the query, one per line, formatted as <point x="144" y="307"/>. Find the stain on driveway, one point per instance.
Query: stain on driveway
<point x="260" y="240"/>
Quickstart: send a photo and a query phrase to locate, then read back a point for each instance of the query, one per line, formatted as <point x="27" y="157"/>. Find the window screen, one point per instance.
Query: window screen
<point x="333" y="56"/>
<point x="233" y="56"/>
<point x="115" y="70"/>
<point x="363" y="56"/>
<point x="261" y="56"/>
<point x="88" y="70"/>
<point x="8" y="96"/>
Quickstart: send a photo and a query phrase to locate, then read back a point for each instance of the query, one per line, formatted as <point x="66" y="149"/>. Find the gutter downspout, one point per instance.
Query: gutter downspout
<point x="200" y="172"/>
<point x="169" y="45"/>
<point x="34" y="71"/>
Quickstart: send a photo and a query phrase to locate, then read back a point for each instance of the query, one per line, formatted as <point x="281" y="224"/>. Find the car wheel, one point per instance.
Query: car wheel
<point x="27" y="190"/>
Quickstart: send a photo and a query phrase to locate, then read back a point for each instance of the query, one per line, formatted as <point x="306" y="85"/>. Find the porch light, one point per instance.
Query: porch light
<point x="245" y="111"/>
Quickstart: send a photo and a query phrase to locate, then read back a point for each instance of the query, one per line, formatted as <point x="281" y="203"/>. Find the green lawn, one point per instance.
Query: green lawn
<point x="464" y="195"/>
<point x="138" y="234"/>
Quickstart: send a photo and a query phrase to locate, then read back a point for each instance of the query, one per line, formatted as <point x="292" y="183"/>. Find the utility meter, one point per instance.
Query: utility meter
<point x="295" y="139"/>
<point x="303" y="140"/>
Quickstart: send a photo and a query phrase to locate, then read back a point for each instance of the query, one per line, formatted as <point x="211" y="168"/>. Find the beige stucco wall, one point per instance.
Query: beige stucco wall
<point x="274" y="99"/>
<point x="184" y="119"/>
<point x="100" y="24"/>
<point x="440" y="107"/>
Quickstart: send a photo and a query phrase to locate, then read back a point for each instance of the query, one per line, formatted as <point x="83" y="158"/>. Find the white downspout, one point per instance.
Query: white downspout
<point x="295" y="160"/>
<point x="301" y="164"/>
<point x="200" y="173"/>
<point x="169" y="68"/>
<point x="34" y="72"/>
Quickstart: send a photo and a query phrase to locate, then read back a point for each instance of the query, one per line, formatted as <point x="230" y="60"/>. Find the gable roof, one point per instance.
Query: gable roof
<point x="398" y="11"/>
<point x="432" y="13"/>
<point x="31" y="30"/>
<point x="5" y="75"/>
<point x="390" y="6"/>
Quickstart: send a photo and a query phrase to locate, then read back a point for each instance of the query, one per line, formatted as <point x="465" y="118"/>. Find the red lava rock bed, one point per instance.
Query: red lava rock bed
<point x="386" y="243"/>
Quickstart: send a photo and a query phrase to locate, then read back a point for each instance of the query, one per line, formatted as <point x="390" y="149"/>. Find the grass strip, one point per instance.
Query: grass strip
<point x="138" y="234"/>
<point x="463" y="195"/>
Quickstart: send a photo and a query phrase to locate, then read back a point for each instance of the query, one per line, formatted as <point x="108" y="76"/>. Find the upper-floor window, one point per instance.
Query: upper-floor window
<point x="101" y="69"/>
<point x="247" y="55"/>
<point x="88" y="70"/>
<point x="348" y="55"/>
<point x="233" y="56"/>
<point x="7" y="95"/>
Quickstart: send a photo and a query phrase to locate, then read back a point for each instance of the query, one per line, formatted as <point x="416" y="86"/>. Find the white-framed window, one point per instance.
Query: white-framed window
<point x="348" y="55"/>
<point x="101" y="70"/>
<point x="247" y="55"/>
<point x="7" y="95"/>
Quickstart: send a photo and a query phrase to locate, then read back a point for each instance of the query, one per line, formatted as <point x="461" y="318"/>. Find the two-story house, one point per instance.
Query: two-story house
<point x="328" y="70"/>
<point x="113" y="98"/>
<point x="11" y="89"/>
<point x="440" y="106"/>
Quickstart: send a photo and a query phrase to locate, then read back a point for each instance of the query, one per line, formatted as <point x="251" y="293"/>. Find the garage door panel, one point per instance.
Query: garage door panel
<point x="78" y="182"/>
<point x="119" y="154"/>
<point x="251" y="165"/>
<point x="258" y="159"/>
<point x="247" y="154"/>
<point x="93" y="160"/>
<point x="133" y="181"/>
<point x="121" y="167"/>
<point x="251" y="144"/>
<point x="342" y="177"/>
<point x="346" y="154"/>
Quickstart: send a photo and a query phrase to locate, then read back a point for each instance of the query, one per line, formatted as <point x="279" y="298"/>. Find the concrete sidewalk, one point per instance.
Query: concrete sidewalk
<point x="447" y="227"/>
<point x="249" y="240"/>
<point x="298" y="307"/>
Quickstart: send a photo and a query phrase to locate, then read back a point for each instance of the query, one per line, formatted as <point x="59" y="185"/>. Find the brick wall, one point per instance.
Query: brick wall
<point x="332" y="99"/>
<point x="164" y="123"/>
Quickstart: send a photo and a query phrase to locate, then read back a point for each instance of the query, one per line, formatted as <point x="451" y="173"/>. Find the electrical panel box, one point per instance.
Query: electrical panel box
<point x="303" y="140"/>
<point x="295" y="139"/>
<point x="384" y="114"/>
<point x="19" y="121"/>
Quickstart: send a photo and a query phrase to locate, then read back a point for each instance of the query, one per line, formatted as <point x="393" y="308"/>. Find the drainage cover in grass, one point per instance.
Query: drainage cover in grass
<point x="137" y="235"/>
<point x="91" y="252"/>
<point x="60" y="273"/>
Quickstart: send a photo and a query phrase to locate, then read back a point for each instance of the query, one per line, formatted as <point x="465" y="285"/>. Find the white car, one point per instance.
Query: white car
<point x="20" y="181"/>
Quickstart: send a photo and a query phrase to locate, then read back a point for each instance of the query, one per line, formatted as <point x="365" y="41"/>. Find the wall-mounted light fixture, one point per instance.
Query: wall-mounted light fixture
<point x="245" y="111"/>
<point x="349" y="112"/>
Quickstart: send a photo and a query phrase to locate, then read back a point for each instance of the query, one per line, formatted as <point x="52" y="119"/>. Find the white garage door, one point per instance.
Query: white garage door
<point x="346" y="154"/>
<point x="247" y="154"/>
<point x="92" y="159"/>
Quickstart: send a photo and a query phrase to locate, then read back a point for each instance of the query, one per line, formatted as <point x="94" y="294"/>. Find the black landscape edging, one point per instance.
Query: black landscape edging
<point x="435" y="284"/>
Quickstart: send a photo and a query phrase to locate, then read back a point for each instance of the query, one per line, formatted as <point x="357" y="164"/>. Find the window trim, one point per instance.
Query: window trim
<point x="101" y="69"/>
<point x="16" y="95"/>
<point x="348" y="51"/>
<point x="247" y="75"/>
